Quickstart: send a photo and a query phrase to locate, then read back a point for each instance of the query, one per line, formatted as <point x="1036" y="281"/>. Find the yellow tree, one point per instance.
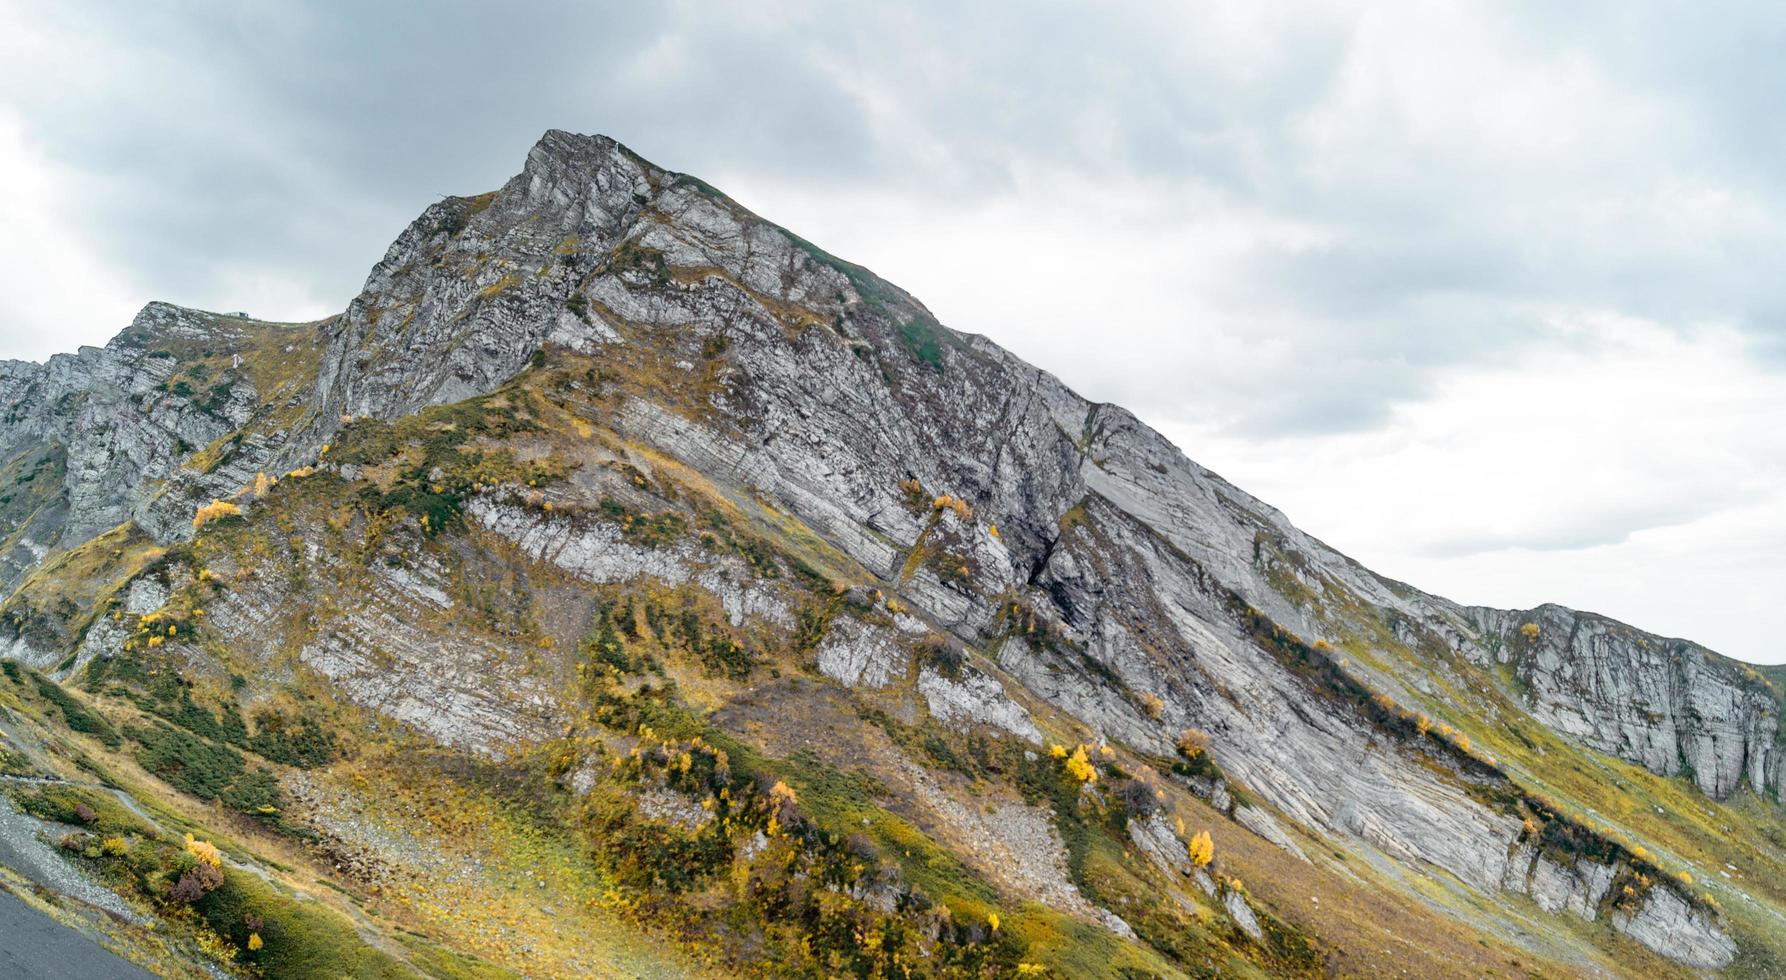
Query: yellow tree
<point x="1201" y="849"/>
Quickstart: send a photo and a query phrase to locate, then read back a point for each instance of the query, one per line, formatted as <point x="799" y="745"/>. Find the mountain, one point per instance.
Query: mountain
<point x="622" y="584"/>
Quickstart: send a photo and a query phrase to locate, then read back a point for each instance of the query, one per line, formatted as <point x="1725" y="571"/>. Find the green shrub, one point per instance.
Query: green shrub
<point x="189" y="764"/>
<point x="648" y="854"/>
<point x="650" y="530"/>
<point x="173" y="701"/>
<point x="303" y="743"/>
<point x="945" y="657"/>
<point x="255" y="793"/>
<point x="606" y="647"/>
<point x="921" y="339"/>
<point x="76" y="714"/>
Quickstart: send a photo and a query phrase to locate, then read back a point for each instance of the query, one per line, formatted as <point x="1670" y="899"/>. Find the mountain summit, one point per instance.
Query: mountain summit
<point x="622" y="584"/>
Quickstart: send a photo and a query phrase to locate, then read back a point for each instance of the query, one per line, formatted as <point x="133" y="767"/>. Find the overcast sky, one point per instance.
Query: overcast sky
<point x="1489" y="296"/>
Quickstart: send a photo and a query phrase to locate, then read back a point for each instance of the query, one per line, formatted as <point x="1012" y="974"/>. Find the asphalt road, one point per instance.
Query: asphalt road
<point x="35" y="947"/>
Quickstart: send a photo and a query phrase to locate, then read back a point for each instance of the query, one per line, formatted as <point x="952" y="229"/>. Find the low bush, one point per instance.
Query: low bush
<point x="302" y="742"/>
<point x="214" y="511"/>
<point x="76" y="714"/>
<point x="206" y="770"/>
<point x="939" y="653"/>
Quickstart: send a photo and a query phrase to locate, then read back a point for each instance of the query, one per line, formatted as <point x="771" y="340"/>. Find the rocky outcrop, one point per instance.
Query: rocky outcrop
<point x="1669" y="705"/>
<point x="861" y="656"/>
<point x="974" y="699"/>
<point x="1666" y="923"/>
<point x="163" y="418"/>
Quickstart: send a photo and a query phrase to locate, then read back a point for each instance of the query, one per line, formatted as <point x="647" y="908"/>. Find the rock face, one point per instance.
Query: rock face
<point x="1669" y="705"/>
<point x="136" y="432"/>
<point x="1107" y="577"/>
<point x="115" y="421"/>
<point x="1689" y="935"/>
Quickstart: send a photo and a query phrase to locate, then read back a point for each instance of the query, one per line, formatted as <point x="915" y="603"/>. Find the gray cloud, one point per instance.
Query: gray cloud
<point x="230" y="141"/>
<point x="1421" y="192"/>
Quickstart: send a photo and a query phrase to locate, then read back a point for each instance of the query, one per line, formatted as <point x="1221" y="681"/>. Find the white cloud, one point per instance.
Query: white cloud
<point x="57" y="291"/>
<point x="1616" y="466"/>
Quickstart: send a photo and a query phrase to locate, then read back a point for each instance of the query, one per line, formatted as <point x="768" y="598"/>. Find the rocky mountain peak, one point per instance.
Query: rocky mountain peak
<point x="579" y="153"/>
<point x="608" y="384"/>
<point x="158" y="322"/>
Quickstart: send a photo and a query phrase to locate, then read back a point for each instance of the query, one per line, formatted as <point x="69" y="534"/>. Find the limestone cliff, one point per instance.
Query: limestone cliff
<point x="995" y="556"/>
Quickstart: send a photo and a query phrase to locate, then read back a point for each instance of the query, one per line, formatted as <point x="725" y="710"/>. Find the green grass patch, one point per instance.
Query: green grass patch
<point x="922" y="339"/>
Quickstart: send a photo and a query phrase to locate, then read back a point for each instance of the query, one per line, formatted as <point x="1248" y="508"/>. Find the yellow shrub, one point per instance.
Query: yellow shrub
<point x="1423" y="724"/>
<point x="782" y="798"/>
<point x="1079" y="767"/>
<point x="1529" y="631"/>
<point x="1201" y="849"/>
<point x="956" y="504"/>
<point x="1151" y="704"/>
<point x="205" y="851"/>
<point x="214" y="510"/>
<point x="1192" y="743"/>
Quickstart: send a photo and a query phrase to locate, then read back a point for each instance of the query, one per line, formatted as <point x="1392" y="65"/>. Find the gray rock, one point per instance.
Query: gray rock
<point x="1669" y="925"/>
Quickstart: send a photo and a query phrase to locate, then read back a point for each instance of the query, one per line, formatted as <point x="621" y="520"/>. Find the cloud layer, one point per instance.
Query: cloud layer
<point x="1485" y="294"/>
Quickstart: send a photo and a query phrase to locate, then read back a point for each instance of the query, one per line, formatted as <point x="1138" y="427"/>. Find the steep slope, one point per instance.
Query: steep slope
<point x="830" y="637"/>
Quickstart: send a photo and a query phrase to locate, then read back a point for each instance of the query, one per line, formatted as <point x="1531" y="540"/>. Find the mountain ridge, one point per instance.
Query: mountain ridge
<point x="1088" y="576"/>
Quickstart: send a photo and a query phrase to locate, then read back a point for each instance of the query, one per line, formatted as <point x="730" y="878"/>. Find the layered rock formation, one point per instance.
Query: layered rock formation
<point x="1098" y="573"/>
